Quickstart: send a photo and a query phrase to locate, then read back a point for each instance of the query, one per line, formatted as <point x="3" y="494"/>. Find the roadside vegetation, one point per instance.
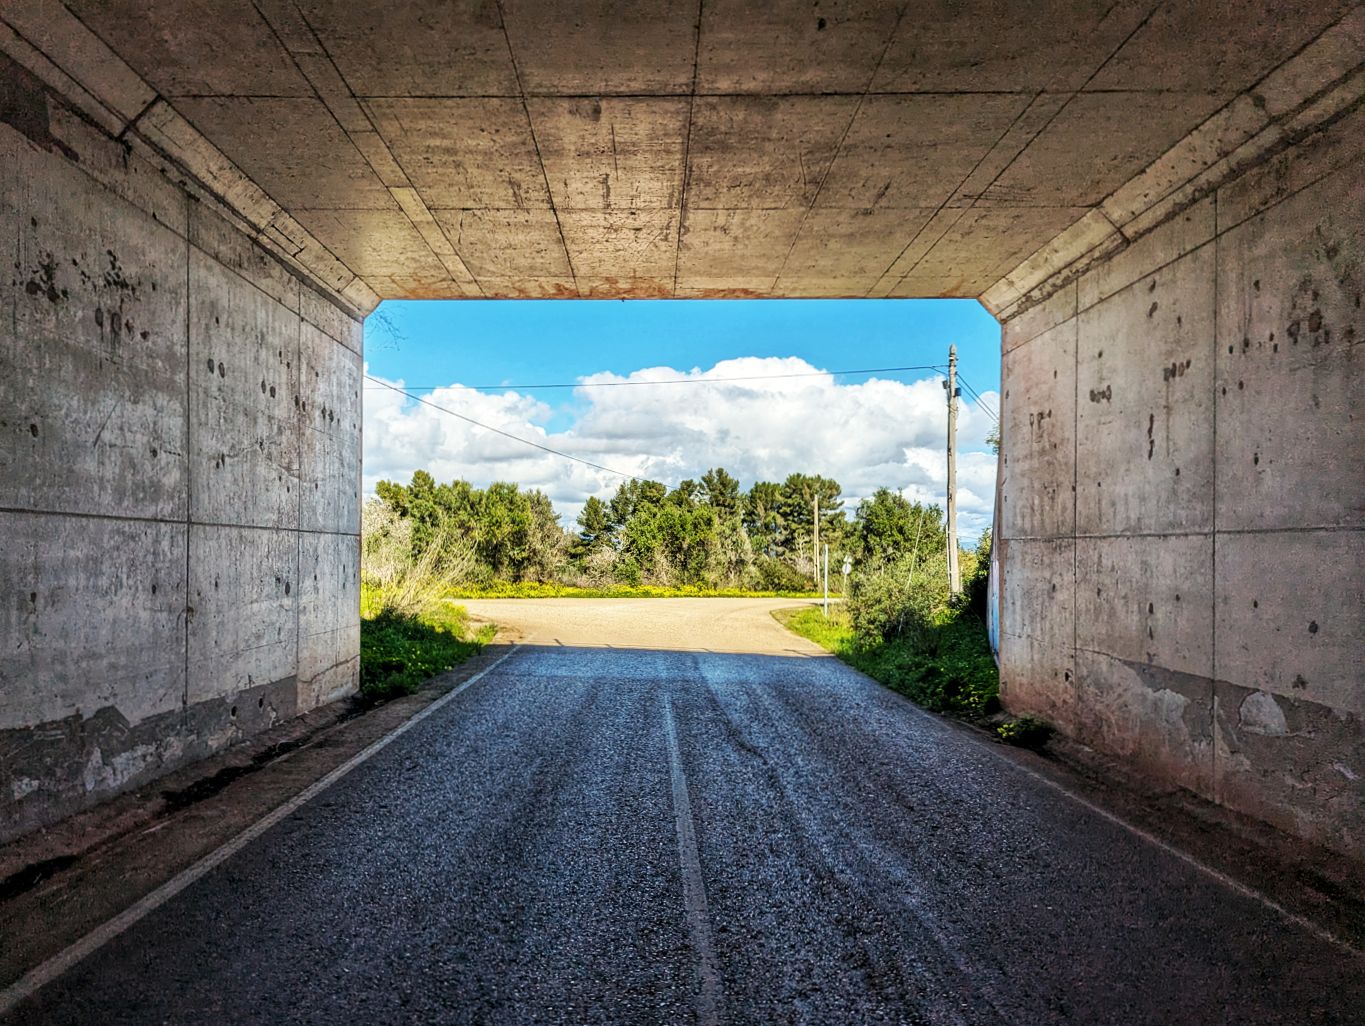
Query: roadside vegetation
<point x="409" y="630"/>
<point x="706" y="537"/>
<point x="426" y="544"/>
<point x="536" y="589"/>
<point x="900" y="626"/>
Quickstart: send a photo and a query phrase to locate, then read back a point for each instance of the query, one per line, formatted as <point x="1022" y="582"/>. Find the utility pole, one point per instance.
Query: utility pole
<point x="815" y="545"/>
<point x="954" y="576"/>
<point x="826" y="581"/>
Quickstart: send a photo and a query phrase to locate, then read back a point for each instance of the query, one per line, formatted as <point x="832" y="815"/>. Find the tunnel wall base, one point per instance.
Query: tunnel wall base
<point x="179" y="474"/>
<point x="1181" y="496"/>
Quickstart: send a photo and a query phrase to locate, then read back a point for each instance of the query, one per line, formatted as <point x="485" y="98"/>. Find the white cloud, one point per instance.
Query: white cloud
<point x="864" y="435"/>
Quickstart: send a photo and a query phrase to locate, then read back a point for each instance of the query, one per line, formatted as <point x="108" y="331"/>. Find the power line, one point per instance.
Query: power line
<point x="680" y="381"/>
<point x="973" y="389"/>
<point x="499" y="431"/>
<point x="979" y="401"/>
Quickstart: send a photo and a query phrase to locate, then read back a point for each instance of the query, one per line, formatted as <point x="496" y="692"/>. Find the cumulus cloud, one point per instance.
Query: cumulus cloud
<point x="865" y="435"/>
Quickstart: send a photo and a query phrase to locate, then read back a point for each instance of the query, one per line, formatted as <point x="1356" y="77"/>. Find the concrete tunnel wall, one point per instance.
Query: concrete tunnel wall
<point x="179" y="475"/>
<point x="1182" y="496"/>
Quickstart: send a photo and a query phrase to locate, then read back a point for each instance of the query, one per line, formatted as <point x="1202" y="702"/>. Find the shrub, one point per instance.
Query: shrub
<point x="778" y="575"/>
<point x="627" y="570"/>
<point x="976" y="577"/>
<point x="398" y="651"/>
<point x="393" y="579"/>
<point x="941" y="660"/>
<point x="534" y="589"/>
<point x="1026" y="732"/>
<point x="898" y="598"/>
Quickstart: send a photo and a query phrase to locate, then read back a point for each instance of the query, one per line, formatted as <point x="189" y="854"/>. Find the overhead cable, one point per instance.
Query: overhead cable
<point x="500" y="431"/>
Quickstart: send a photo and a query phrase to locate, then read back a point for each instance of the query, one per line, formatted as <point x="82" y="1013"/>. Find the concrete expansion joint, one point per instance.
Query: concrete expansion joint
<point x="131" y="126"/>
<point x="1312" y="92"/>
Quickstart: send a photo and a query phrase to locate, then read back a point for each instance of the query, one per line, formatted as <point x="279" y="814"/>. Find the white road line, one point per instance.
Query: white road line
<point x="43" y="974"/>
<point x="694" y="889"/>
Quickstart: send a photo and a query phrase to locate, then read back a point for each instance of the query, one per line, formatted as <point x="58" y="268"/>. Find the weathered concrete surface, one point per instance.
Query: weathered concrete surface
<point x="179" y="466"/>
<point x="1214" y="559"/>
<point x="1152" y="195"/>
<point x="519" y="149"/>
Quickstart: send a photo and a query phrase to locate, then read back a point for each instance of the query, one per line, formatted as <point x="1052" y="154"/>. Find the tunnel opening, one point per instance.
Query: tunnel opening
<point x="694" y="448"/>
<point x="574" y="399"/>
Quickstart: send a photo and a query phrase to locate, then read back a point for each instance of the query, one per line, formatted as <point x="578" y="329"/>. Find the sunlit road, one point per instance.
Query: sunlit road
<point x="662" y="833"/>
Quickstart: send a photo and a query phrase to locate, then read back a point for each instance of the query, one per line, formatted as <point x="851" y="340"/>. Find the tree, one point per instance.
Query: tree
<point x="632" y="496"/>
<point x="763" y="517"/>
<point x="730" y="554"/>
<point x="720" y="491"/>
<point x="888" y="525"/>
<point x="796" y="505"/>
<point x="415" y="503"/>
<point x="457" y="507"/>
<point x="683" y="535"/>
<point x="504" y="529"/>
<point x="545" y="540"/>
<point x="687" y="494"/>
<point x="594" y="527"/>
<point x="705" y="532"/>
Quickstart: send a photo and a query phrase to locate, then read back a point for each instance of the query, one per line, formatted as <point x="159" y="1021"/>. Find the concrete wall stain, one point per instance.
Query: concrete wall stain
<point x="1260" y="712"/>
<point x="112" y="350"/>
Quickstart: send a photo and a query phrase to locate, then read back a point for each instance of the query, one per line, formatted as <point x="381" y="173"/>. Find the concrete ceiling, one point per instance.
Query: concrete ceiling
<point x="720" y="148"/>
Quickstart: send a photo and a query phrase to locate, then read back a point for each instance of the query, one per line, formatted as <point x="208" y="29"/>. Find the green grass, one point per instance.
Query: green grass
<point x="952" y="672"/>
<point x="1026" y="732"/>
<point x="399" y="651"/>
<point x="531" y="589"/>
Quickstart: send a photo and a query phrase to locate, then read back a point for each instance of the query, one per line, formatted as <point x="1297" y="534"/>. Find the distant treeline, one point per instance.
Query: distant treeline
<point x="707" y="533"/>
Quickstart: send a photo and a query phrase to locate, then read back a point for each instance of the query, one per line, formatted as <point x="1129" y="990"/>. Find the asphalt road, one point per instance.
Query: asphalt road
<point x="672" y="834"/>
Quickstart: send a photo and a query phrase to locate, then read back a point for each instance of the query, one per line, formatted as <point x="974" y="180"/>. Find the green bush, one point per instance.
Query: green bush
<point x="393" y="578"/>
<point x="899" y="598"/>
<point x="1026" y="732"/>
<point x="944" y="665"/>
<point x="771" y="574"/>
<point x="627" y="571"/>
<point x="976" y="577"/>
<point x="532" y="589"/>
<point x="398" y="651"/>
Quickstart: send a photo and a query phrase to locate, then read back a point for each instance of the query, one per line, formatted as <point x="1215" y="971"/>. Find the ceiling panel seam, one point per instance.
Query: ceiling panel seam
<point x="687" y="147"/>
<point x="944" y="205"/>
<point x="1326" y="76"/>
<point x="862" y="98"/>
<point x="1117" y="11"/>
<point x="101" y="109"/>
<point x="376" y="152"/>
<point x="535" y="143"/>
<point x="172" y="142"/>
<point x="1151" y="10"/>
<point x="1002" y="146"/>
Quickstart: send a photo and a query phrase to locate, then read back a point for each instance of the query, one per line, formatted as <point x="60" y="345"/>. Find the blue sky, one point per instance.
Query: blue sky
<point x="864" y="430"/>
